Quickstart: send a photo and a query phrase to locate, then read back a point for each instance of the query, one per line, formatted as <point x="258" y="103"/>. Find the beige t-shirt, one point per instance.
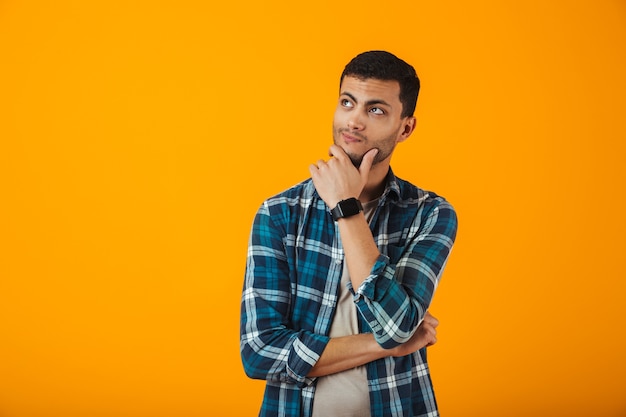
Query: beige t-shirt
<point x="344" y="394"/>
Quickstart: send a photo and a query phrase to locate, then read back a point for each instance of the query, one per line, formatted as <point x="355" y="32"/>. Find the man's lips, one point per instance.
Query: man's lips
<point x="350" y="138"/>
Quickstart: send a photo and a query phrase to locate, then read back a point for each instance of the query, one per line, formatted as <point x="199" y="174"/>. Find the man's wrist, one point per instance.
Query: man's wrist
<point x="346" y="208"/>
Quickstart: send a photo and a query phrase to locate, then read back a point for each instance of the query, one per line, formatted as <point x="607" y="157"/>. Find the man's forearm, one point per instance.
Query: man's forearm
<point x="359" y="248"/>
<point x="347" y="352"/>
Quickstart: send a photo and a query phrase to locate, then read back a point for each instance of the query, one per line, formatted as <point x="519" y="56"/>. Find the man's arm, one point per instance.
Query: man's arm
<point x="270" y="348"/>
<point x="392" y="297"/>
<point x="343" y="353"/>
<point x="336" y="180"/>
<point x="273" y="351"/>
<point x="396" y="295"/>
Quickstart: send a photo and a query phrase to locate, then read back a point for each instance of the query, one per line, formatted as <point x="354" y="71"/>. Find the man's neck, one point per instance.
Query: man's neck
<point x="375" y="183"/>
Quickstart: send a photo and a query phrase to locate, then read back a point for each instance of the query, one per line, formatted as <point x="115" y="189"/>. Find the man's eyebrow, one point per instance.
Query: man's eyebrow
<point x="369" y="103"/>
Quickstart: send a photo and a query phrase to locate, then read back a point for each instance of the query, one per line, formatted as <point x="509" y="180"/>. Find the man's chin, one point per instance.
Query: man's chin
<point x="357" y="160"/>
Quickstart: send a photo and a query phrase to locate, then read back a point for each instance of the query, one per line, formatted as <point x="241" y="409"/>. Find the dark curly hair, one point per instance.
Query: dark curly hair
<point x="382" y="65"/>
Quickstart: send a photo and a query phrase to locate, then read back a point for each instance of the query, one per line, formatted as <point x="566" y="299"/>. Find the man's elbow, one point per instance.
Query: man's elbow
<point x="399" y="335"/>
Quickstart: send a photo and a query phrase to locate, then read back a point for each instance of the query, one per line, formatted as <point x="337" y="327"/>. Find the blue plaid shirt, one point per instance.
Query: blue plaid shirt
<point x="293" y="272"/>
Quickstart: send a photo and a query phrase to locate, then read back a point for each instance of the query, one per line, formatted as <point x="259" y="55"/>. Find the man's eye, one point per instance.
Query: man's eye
<point x="377" y="110"/>
<point x="346" y="103"/>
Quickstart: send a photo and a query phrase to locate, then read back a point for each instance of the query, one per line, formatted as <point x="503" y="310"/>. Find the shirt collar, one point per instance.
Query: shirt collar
<point x="392" y="187"/>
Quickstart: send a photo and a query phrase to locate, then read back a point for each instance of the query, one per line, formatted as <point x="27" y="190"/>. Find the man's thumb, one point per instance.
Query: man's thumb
<point x="368" y="160"/>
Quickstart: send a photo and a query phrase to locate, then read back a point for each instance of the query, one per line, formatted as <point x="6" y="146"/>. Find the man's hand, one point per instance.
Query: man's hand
<point x="337" y="179"/>
<point x="425" y="335"/>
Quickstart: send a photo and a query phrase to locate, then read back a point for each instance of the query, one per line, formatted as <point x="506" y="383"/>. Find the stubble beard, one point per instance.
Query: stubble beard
<point x="358" y="159"/>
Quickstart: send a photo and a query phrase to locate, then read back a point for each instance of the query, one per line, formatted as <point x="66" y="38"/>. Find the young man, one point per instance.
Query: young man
<point x="342" y="267"/>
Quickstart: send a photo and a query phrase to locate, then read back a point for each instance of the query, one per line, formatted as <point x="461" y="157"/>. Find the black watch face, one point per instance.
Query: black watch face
<point x="346" y="208"/>
<point x="350" y="207"/>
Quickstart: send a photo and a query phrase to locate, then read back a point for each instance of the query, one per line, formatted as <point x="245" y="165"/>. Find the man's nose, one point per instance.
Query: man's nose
<point x="355" y="121"/>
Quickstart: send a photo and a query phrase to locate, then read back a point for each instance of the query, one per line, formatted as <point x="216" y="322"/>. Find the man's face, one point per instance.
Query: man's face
<point x="368" y="116"/>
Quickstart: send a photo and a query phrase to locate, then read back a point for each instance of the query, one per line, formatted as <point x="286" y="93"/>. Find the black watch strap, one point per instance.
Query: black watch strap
<point x="346" y="208"/>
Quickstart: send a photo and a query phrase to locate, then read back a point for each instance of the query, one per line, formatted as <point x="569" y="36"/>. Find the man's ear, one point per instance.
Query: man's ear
<point x="408" y="127"/>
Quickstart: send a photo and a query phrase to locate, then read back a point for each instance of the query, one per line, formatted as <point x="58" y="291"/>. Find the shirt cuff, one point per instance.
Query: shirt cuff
<point x="304" y="354"/>
<point x="377" y="282"/>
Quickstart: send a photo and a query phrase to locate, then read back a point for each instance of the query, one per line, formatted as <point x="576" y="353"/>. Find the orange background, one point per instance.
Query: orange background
<point x="137" y="140"/>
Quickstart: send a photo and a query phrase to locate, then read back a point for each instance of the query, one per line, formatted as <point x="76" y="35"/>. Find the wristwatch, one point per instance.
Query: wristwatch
<point x="346" y="208"/>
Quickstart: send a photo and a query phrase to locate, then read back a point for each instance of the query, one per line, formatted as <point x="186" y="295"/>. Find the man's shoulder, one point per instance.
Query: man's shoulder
<point x="412" y="194"/>
<point x="420" y="204"/>
<point x="294" y="201"/>
<point x="293" y="205"/>
<point x="302" y="191"/>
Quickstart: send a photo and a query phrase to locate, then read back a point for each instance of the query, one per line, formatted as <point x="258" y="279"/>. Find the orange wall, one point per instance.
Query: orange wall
<point x="138" y="138"/>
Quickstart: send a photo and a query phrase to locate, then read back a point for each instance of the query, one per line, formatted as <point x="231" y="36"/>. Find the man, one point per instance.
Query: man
<point x="342" y="267"/>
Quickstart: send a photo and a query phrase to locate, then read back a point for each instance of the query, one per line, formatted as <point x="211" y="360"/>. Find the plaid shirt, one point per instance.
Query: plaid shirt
<point x="293" y="272"/>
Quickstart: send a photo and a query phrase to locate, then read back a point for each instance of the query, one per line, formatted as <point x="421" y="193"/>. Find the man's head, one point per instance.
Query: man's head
<point x="377" y="97"/>
<point x="382" y="65"/>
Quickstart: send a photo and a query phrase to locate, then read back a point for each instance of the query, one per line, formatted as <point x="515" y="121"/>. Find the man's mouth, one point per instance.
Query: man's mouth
<point x="351" y="138"/>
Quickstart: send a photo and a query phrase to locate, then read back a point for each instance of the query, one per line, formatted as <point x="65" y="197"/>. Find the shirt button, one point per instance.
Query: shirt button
<point x="338" y="261"/>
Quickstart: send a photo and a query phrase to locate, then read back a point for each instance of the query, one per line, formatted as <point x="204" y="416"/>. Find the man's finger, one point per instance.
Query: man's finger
<point x="368" y="160"/>
<point x="337" y="152"/>
<point x="432" y="321"/>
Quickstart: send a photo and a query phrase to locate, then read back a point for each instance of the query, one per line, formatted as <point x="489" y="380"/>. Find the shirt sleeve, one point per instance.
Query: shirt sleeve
<point x="394" y="298"/>
<point x="270" y="349"/>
